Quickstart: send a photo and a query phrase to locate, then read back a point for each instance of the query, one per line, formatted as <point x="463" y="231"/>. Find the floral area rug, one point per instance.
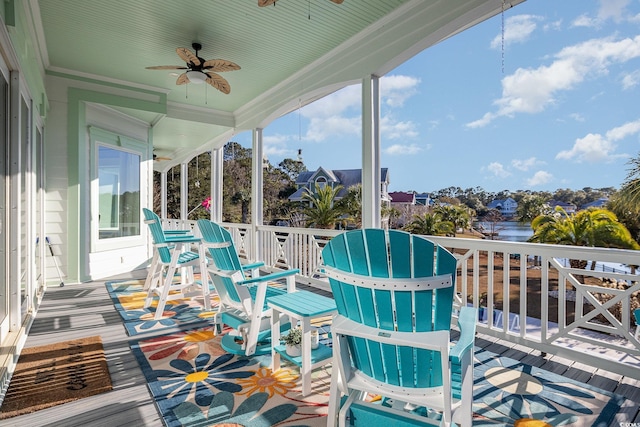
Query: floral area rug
<point x="508" y="392"/>
<point x="196" y="383"/>
<point x="128" y="298"/>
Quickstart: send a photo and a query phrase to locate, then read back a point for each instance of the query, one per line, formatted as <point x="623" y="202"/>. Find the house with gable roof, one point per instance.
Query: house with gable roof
<point x="507" y="207"/>
<point x="321" y="177"/>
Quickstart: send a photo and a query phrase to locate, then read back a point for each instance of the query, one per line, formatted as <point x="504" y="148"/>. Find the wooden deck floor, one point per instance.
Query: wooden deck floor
<point x="82" y="310"/>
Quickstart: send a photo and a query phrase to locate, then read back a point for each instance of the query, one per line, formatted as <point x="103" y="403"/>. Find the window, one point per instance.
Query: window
<point x="118" y="193"/>
<point x="321" y="182"/>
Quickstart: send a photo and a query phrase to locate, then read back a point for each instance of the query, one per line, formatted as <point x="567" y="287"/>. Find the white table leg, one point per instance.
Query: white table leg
<point x="275" y="339"/>
<point x="305" y="369"/>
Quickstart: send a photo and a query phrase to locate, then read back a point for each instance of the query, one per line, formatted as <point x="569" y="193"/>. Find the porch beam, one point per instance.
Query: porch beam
<point x="371" y="191"/>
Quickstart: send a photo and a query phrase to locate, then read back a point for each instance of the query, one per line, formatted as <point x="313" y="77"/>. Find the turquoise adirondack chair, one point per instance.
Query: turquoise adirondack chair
<point x="391" y="337"/>
<point x="172" y="255"/>
<point x="243" y="296"/>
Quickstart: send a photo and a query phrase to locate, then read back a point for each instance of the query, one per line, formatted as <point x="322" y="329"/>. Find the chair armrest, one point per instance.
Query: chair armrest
<point x="176" y="231"/>
<point x="187" y="238"/>
<point x="467" y="325"/>
<point x="271" y="276"/>
<point x="252" y="265"/>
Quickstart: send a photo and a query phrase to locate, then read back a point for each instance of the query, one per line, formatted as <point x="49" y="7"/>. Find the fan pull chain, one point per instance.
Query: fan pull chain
<point x="309" y="15"/>
<point x="299" y="120"/>
<point x="503" y="7"/>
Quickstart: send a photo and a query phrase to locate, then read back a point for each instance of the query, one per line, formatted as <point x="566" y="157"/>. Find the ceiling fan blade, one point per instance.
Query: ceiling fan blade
<point x="219" y="83"/>
<point x="182" y="79"/>
<point x="263" y="3"/>
<point x="187" y="56"/>
<point x="220" y="65"/>
<point x="337" y="1"/>
<point x="168" y="67"/>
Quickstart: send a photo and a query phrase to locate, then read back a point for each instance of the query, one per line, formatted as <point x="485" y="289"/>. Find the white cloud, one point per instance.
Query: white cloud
<point x="403" y="150"/>
<point x="324" y="127"/>
<point x="498" y="170"/>
<point x="517" y="29"/>
<point x="595" y="148"/>
<point x="276" y="145"/>
<point x="577" y="117"/>
<point x="339" y="114"/>
<point x="614" y="10"/>
<point x="526" y="164"/>
<point x="392" y="129"/>
<point x="337" y="103"/>
<point x="532" y="90"/>
<point x="539" y="178"/>
<point x="631" y="80"/>
<point x="396" y="89"/>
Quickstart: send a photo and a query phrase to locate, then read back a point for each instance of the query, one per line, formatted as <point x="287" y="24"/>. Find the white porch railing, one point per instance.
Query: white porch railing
<point x="552" y="307"/>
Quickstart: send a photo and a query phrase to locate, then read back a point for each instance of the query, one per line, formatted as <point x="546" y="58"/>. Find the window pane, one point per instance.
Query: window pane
<point x="119" y="193"/>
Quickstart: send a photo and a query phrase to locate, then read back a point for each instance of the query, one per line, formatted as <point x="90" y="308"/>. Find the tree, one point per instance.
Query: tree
<point x="626" y="203"/>
<point x="236" y="191"/>
<point x="322" y="211"/>
<point x="531" y="206"/>
<point x="351" y="204"/>
<point x="292" y="168"/>
<point x="430" y="224"/>
<point x="591" y="227"/>
<point x="459" y="216"/>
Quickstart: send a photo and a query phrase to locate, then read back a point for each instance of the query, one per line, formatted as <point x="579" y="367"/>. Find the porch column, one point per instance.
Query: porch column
<point x="257" y="179"/>
<point x="371" y="192"/>
<point x="184" y="191"/>
<point x="217" y="164"/>
<point x="163" y="195"/>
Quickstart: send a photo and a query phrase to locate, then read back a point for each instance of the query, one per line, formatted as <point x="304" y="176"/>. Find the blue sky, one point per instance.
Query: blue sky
<point x="555" y="103"/>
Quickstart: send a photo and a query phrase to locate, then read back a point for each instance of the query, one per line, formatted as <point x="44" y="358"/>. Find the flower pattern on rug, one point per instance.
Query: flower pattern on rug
<point x="199" y="378"/>
<point x="214" y="386"/>
<point x="128" y="298"/>
<point x="513" y="392"/>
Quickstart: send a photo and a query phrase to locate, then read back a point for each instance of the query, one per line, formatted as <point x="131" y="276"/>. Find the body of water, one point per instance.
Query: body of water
<point x="512" y="231"/>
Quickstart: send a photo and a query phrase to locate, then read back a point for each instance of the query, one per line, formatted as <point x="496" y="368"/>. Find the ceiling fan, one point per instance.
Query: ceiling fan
<point x="200" y="71"/>
<point x="263" y="3"/>
<point x="157" y="158"/>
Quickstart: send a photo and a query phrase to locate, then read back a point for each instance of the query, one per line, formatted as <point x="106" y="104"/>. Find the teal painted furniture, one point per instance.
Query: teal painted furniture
<point x="243" y="297"/>
<point x="172" y="254"/>
<point x="303" y="306"/>
<point x="391" y="337"/>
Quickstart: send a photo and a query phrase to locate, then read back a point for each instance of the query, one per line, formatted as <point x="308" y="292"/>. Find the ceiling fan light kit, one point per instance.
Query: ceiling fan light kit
<point x="196" y="77"/>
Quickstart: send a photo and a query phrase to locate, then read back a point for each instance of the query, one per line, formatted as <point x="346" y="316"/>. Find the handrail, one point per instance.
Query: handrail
<point x="578" y="317"/>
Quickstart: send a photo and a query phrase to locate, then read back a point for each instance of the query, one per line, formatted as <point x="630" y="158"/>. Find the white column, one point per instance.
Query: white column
<point x="217" y="165"/>
<point x="163" y="195"/>
<point x="184" y="191"/>
<point x="371" y="192"/>
<point x="257" y="179"/>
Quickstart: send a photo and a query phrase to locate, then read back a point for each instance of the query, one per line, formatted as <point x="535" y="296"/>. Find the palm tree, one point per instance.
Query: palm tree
<point x="431" y="225"/>
<point x="322" y="212"/>
<point x="351" y="204"/>
<point x="591" y="227"/>
<point x="626" y="203"/>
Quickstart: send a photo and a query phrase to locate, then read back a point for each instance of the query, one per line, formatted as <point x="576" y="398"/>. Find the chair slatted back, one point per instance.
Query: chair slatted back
<point x="224" y="256"/>
<point x="157" y="235"/>
<point x="365" y="268"/>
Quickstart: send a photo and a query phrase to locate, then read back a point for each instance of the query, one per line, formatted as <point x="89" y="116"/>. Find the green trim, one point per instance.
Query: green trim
<point x="79" y="210"/>
<point x="10" y="13"/>
<point x="162" y="97"/>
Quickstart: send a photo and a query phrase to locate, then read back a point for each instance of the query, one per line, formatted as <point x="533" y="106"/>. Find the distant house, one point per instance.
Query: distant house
<point x="347" y="177"/>
<point x="569" y="208"/>
<point x="423" y="199"/>
<point x="402" y="198"/>
<point x="600" y="203"/>
<point x="507" y="207"/>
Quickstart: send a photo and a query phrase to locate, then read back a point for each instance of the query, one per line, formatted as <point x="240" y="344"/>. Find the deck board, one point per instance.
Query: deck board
<point x="82" y="310"/>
